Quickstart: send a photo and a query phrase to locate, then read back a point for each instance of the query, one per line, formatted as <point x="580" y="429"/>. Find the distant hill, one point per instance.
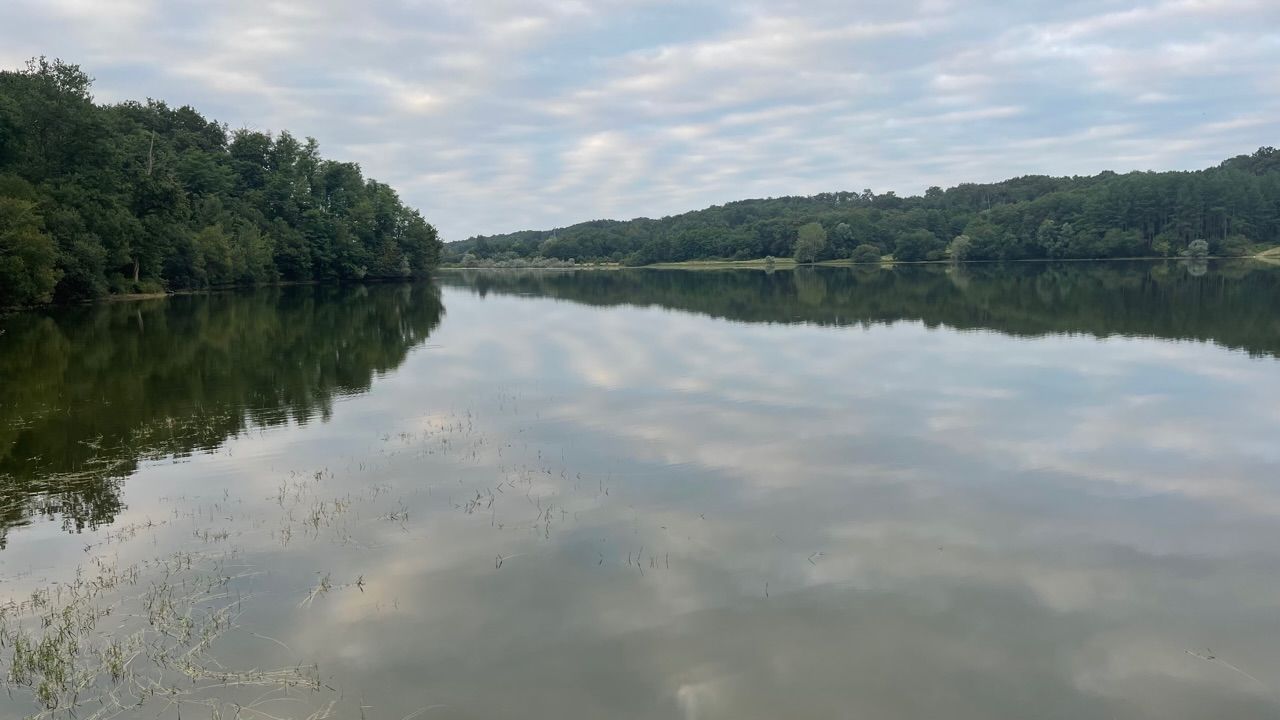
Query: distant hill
<point x="1234" y="206"/>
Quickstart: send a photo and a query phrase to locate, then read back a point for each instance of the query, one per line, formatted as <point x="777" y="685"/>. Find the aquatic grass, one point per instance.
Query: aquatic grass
<point x="165" y="616"/>
<point x="122" y="637"/>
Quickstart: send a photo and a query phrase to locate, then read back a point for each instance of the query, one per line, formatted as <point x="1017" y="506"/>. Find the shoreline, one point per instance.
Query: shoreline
<point x="1271" y="256"/>
<point x="139" y="297"/>
<point x="1268" y="257"/>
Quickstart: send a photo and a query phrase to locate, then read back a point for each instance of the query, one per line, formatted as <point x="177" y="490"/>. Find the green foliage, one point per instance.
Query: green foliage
<point x="28" y="257"/>
<point x="1034" y="217"/>
<point x="811" y="243"/>
<point x="143" y="197"/>
<point x="865" y="254"/>
<point x="514" y="261"/>
<point x="959" y="248"/>
<point x="1236" y="246"/>
<point x="1198" y="248"/>
<point x="916" y="246"/>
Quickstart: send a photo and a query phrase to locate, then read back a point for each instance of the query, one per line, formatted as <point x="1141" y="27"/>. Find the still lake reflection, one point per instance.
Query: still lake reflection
<point x="1030" y="491"/>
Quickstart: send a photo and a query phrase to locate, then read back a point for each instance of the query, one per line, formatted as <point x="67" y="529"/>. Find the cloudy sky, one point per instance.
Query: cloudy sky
<point x="492" y="116"/>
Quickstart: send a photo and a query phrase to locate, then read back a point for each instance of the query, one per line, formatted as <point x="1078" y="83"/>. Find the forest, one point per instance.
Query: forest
<point x="140" y="197"/>
<point x="1230" y="209"/>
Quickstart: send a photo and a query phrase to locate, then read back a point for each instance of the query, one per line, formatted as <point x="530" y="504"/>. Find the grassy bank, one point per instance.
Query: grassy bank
<point x="1271" y="256"/>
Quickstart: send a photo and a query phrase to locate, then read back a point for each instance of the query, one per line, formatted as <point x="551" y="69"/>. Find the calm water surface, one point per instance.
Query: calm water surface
<point x="1033" y="491"/>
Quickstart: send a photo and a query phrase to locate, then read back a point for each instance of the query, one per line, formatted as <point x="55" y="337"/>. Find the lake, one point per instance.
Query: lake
<point x="1035" y="490"/>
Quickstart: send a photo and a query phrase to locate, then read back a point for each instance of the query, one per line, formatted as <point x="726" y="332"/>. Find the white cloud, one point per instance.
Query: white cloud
<point x="493" y="117"/>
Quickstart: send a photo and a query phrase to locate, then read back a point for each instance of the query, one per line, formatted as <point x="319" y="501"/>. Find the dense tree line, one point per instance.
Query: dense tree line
<point x="1233" y="207"/>
<point x="141" y="197"/>
<point x="105" y="386"/>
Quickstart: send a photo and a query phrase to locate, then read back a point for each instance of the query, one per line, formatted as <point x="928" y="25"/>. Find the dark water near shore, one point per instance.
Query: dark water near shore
<point x="976" y="492"/>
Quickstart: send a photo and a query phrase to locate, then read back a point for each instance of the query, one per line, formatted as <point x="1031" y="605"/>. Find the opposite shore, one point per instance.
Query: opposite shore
<point x="1270" y="257"/>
